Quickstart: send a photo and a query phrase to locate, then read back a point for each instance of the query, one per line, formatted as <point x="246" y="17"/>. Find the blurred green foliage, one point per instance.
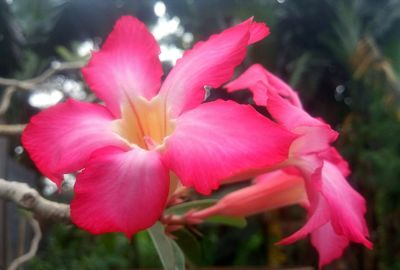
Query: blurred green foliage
<point x="70" y="248"/>
<point x="342" y="56"/>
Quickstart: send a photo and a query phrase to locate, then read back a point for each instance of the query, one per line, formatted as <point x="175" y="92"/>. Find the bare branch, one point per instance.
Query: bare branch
<point x="31" y="83"/>
<point x="37" y="236"/>
<point x="5" y="101"/>
<point x="28" y="198"/>
<point x="11" y="129"/>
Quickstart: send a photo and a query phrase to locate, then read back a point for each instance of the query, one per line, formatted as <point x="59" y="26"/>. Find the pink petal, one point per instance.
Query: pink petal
<point x="289" y="115"/>
<point x="347" y="207"/>
<point x="126" y="66"/>
<point x="313" y="139"/>
<point x="258" y="31"/>
<point x="316" y="135"/>
<point x="261" y="82"/>
<point x="285" y="107"/>
<point x="334" y="157"/>
<point x="281" y="101"/>
<point x="209" y="63"/>
<point x="221" y="139"/>
<point x="120" y="191"/>
<point x="254" y="80"/>
<point x="271" y="191"/>
<point x="329" y="245"/>
<point x="319" y="215"/>
<point x="60" y="139"/>
<point x="334" y="202"/>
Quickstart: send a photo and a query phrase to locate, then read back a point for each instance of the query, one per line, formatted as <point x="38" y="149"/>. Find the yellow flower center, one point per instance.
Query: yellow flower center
<point x="144" y="123"/>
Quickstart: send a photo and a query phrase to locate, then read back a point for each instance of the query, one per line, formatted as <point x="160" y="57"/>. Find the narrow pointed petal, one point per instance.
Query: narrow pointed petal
<point x="270" y="191"/>
<point x="209" y="63"/>
<point x="221" y="139"/>
<point x="60" y="139"/>
<point x="120" y="191"/>
<point x="126" y="66"/>
<point x="329" y="245"/>
<point x="261" y="82"/>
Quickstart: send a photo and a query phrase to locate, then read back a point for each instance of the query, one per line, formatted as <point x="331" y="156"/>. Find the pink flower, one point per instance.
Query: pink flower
<point x="126" y="151"/>
<point x="314" y="174"/>
<point x="269" y="191"/>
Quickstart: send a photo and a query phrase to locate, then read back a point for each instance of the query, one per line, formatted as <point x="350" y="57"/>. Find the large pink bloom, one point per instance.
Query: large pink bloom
<point x="124" y="152"/>
<point x="314" y="175"/>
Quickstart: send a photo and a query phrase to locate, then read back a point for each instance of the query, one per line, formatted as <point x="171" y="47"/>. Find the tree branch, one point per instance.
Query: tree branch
<point x="31" y="83"/>
<point x="11" y="129"/>
<point x="28" y="198"/>
<point x="37" y="236"/>
<point x="5" y="101"/>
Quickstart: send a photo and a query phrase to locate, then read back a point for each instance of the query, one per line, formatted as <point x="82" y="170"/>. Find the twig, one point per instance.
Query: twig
<point x="37" y="236"/>
<point x="11" y="129"/>
<point x="31" y="83"/>
<point x="28" y="198"/>
<point x="5" y="101"/>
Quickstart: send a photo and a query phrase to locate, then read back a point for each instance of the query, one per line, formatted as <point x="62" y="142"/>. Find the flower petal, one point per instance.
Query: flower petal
<point x="222" y="139"/>
<point x="120" y="191"/>
<point x="281" y="101"/>
<point x="289" y="115"/>
<point x="329" y="245"/>
<point x="60" y="139"/>
<point x="270" y="191"/>
<point x="333" y="200"/>
<point x="313" y="139"/>
<point x="319" y="216"/>
<point x="285" y="107"/>
<point x="209" y="63"/>
<point x="316" y="134"/>
<point x="260" y="82"/>
<point x="347" y="207"/>
<point x="126" y="66"/>
<point x="334" y="157"/>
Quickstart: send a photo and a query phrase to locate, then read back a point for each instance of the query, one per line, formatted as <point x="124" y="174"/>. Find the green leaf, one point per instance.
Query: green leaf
<point x="238" y="222"/>
<point x="169" y="252"/>
<point x="179" y="256"/>
<point x="182" y="208"/>
<point x="189" y="245"/>
<point x="146" y="252"/>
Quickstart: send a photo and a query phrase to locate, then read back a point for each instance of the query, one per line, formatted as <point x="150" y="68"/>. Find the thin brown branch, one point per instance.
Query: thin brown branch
<point x="5" y="101"/>
<point x="37" y="236"/>
<point x="30" y="84"/>
<point x="30" y="199"/>
<point x="11" y="129"/>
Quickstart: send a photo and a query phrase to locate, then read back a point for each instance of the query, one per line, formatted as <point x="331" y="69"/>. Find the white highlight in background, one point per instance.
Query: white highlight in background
<point x="44" y="99"/>
<point x="170" y="53"/>
<point x="160" y="9"/>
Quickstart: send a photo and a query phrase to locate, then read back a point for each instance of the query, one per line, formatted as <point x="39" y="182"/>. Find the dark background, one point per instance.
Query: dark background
<point x="343" y="56"/>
